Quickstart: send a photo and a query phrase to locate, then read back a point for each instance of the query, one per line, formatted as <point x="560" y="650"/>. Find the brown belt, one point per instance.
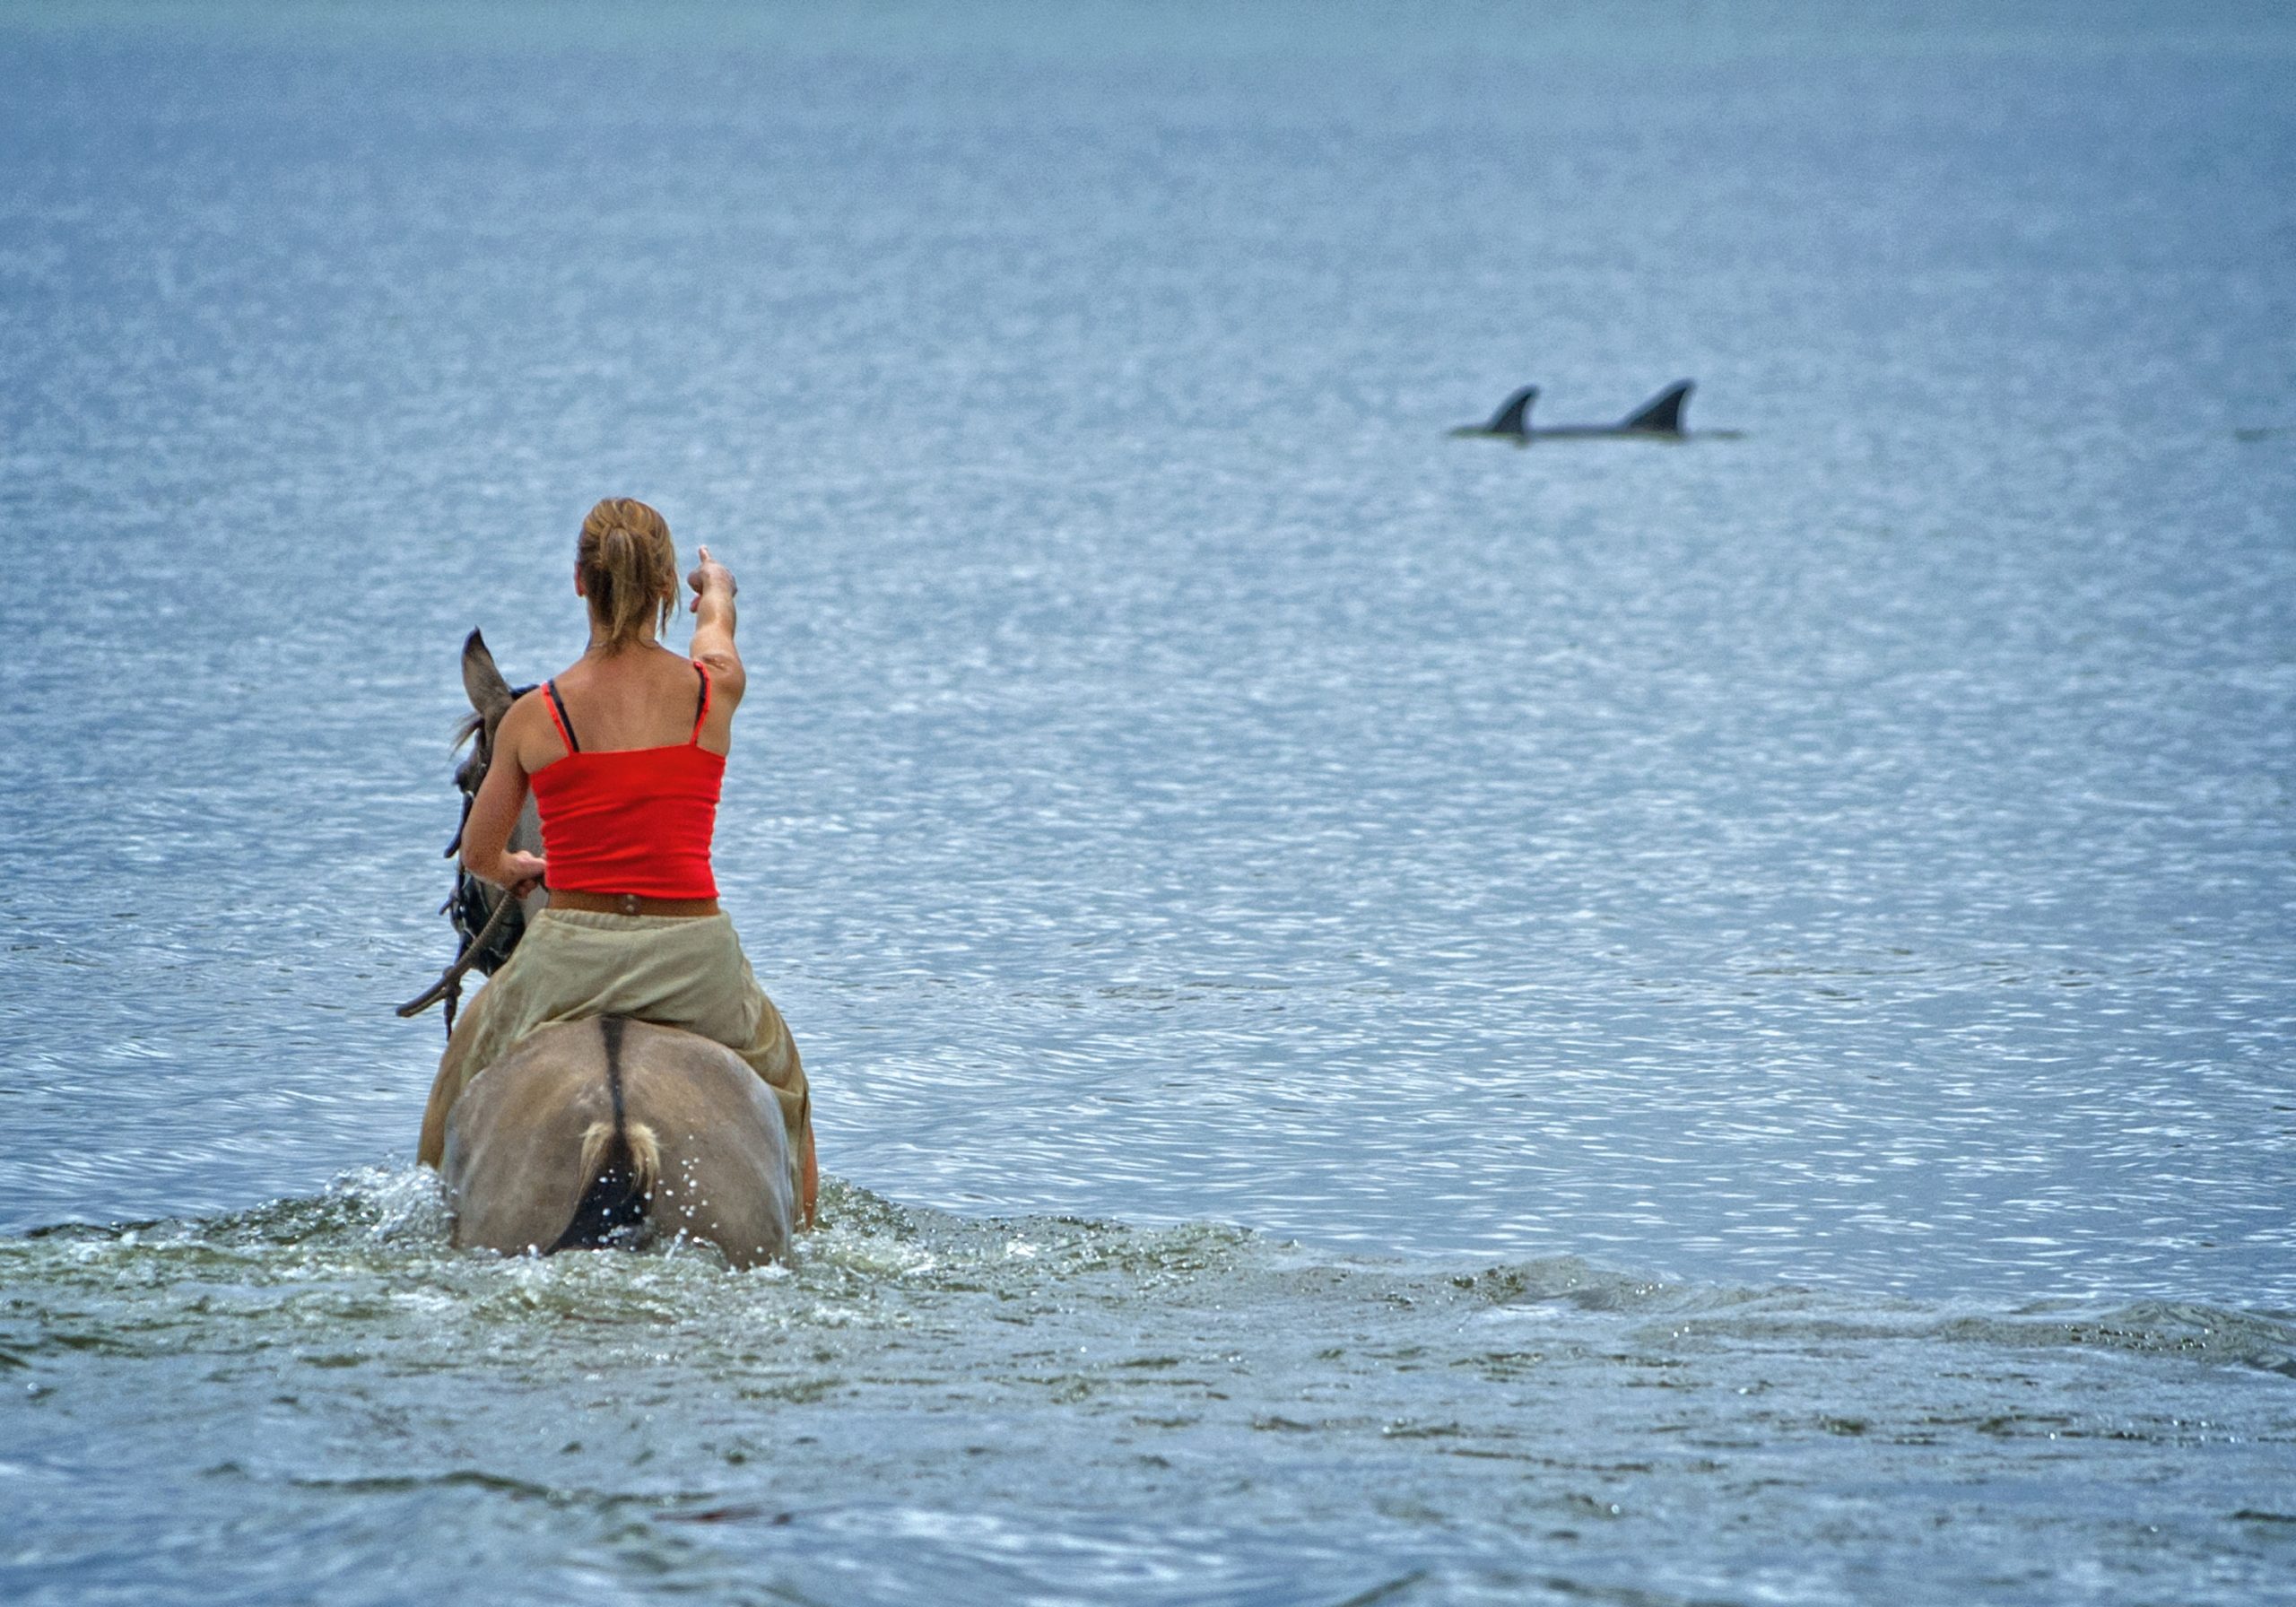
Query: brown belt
<point x="629" y="903"/>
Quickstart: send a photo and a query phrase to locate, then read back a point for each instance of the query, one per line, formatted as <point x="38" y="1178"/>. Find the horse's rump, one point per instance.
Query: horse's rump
<point x="602" y="1132"/>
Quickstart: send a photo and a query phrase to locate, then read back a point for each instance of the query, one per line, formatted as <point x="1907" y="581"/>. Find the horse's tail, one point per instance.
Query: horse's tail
<point x="620" y="1159"/>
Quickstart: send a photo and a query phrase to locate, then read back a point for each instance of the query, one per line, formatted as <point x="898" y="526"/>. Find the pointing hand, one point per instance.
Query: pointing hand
<point x="709" y="572"/>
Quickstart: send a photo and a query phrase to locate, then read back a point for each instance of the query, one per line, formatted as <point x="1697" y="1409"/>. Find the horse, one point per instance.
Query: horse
<point x="605" y="1132"/>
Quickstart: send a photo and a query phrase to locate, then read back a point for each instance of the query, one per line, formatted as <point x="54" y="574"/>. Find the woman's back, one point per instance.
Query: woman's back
<point x="633" y="818"/>
<point x="640" y="698"/>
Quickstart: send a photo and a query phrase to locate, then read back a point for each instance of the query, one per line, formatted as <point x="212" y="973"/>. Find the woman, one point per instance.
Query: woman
<point x="624" y="753"/>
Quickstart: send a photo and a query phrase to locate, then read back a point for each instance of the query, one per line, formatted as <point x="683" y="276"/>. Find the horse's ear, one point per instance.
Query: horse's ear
<point x="489" y="694"/>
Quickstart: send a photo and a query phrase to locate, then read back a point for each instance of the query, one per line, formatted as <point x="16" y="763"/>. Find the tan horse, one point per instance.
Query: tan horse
<point x="608" y="1131"/>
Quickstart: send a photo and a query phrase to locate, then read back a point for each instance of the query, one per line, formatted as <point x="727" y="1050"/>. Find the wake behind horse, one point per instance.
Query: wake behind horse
<point x="605" y="1132"/>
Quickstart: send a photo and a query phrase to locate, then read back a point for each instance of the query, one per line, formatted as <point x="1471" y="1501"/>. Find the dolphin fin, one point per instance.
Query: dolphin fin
<point x="1662" y="413"/>
<point x="1513" y="418"/>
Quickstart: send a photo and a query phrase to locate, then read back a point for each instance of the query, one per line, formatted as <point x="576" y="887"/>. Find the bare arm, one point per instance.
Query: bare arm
<point x="713" y="626"/>
<point x="486" y="834"/>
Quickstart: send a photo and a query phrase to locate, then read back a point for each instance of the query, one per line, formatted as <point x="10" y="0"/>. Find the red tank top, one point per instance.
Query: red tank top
<point x="635" y="821"/>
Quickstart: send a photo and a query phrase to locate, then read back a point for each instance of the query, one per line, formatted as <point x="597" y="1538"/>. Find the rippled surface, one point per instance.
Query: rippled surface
<point x="1842" y="873"/>
<point x="329" y="1399"/>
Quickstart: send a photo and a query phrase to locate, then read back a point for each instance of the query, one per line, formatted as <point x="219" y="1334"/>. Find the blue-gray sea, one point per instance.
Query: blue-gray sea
<point x="1395" y="1019"/>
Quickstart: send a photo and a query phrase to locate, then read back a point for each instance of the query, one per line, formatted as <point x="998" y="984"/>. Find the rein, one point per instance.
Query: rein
<point x="450" y="986"/>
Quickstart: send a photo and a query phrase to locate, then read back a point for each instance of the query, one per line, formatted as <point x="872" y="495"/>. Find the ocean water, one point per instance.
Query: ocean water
<point x="1394" y="1018"/>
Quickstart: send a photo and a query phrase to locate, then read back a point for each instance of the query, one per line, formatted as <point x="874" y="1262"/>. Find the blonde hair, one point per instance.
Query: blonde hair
<point x="629" y="569"/>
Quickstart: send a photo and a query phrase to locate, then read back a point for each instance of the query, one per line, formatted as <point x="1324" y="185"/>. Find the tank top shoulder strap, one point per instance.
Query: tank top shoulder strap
<point x="558" y="717"/>
<point x="702" y="711"/>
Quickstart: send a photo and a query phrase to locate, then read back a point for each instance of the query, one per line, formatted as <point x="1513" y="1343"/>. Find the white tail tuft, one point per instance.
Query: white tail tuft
<point x="645" y="1155"/>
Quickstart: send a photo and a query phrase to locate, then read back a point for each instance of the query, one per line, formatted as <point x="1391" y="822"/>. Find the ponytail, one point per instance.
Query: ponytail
<point x="628" y="570"/>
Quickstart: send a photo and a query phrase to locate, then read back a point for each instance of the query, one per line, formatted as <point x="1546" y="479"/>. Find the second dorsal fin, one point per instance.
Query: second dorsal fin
<point x="1662" y="413"/>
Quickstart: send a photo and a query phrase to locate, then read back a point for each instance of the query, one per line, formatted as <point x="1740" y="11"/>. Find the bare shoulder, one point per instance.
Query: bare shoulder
<point x="526" y="733"/>
<point x="727" y="678"/>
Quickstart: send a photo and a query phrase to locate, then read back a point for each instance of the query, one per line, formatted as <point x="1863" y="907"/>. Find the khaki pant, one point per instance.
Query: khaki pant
<point x="675" y="971"/>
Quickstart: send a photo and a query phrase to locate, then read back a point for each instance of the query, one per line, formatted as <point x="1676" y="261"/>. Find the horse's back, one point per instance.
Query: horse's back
<point x="705" y="1135"/>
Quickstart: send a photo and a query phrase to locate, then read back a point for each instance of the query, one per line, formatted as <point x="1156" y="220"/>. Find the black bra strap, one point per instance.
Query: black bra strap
<point x="565" y="725"/>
